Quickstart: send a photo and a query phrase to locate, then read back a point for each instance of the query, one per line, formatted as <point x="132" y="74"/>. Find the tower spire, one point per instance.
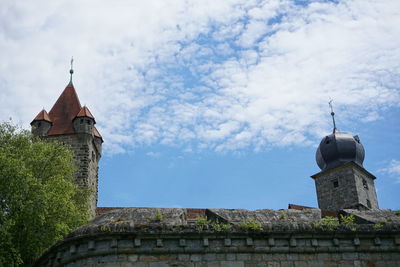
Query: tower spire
<point x="71" y="71"/>
<point x="333" y="116"/>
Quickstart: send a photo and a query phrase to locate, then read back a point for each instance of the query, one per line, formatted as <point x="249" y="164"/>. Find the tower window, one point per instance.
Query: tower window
<point x="81" y="121"/>
<point x="365" y="184"/>
<point x="39" y="124"/>
<point x="368" y="203"/>
<point x="335" y="183"/>
<point x="88" y="122"/>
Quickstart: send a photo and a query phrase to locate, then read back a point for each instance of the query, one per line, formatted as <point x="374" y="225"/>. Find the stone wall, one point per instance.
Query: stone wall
<point x="87" y="153"/>
<point x="267" y="249"/>
<point x="346" y="186"/>
<point x="136" y="237"/>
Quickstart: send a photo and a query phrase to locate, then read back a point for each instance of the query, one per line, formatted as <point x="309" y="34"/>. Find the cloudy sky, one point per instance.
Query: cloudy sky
<point x="212" y="103"/>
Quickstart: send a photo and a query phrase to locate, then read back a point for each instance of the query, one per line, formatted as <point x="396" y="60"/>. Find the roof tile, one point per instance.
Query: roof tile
<point x="85" y="112"/>
<point x="42" y="116"/>
<point x="64" y="111"/>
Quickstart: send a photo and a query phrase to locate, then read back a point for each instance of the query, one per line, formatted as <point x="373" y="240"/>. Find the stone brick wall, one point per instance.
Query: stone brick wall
<point x="135" y="237"/>
<point x="345" y="186"/>
<point x="365" y="189"/>
<point x="87" y="153"/>
<point x="233" y="250"/>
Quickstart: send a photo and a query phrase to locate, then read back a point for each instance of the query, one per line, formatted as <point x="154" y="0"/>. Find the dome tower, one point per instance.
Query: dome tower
<point x="343" y="182"/>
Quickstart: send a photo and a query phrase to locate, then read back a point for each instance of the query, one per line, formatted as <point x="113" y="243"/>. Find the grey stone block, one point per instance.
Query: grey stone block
<point x="287" y="264"/>
<point x="195" y="257"/>
<point x="350" y="256"/>
<point x="91" y="245"/>
<point x="183" y="257"/>
<point x="132" y="258"/>
<point x="210" y="257"/>
<point x="158" y="264"/>
<point x="230" y="257"/>
<point x="232" y="264"/>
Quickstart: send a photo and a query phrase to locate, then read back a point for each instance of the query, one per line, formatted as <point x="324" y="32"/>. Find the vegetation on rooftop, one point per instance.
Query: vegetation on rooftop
<point x="251" y="225"/>
<point x="327" y="223"/>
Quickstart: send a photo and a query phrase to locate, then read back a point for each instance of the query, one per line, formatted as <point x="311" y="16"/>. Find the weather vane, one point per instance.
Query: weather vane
<point x="333" y="116"/>
<point x="71" y="71"/>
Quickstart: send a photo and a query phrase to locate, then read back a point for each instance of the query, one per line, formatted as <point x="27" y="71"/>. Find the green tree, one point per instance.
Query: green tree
<point x="39" y="203"/>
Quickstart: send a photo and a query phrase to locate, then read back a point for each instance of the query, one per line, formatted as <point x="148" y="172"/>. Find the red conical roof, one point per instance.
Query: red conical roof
<point x="42" y="116"/>
<point x="64" y="111"/>
<point x="85" y="112"/>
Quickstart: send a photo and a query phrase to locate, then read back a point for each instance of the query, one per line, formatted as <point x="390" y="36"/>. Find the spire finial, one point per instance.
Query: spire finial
<point x="333" y="116"/>
<point x="71" y="71"/>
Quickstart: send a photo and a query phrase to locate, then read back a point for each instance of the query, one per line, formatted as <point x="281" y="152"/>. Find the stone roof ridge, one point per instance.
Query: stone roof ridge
<point x="269" y="216"/>
<point x="384" y="216"/>
<point x="64" y="111"/>
<point x="42" y="116"/>
<point x="182" y="220"/>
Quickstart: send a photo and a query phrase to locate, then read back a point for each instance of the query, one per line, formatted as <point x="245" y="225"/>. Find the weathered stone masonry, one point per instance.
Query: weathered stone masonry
<point x="129" y="237"/>
<point x="345" y="186"/>
<point x="231" y="249"/>
<point x="87" y="153"/>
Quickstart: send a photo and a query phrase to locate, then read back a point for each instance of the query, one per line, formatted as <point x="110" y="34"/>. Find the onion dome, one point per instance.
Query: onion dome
<point x="338" y="148"/>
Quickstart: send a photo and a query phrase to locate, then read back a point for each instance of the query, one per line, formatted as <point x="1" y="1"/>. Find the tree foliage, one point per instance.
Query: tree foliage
<point x="39" y="203"/>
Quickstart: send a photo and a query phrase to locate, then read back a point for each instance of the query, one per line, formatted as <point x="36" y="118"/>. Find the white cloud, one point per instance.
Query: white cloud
<point x="393" y="169"/>
<point x="223" y="75"/>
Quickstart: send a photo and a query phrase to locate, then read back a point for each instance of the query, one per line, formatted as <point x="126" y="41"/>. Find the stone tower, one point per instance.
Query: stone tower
<point x="72" y="124"/>
<point x="343" y="182"/>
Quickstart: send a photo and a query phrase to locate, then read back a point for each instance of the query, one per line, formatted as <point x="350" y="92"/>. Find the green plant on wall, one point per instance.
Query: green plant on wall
<point x="327" y="224"/>
<point x="282" y="215"/>
<point x="251" y="225"/>
<point x="202" y="223"/>
<point x="105" y="228"/>
<point x="158" y="216"/>
<point x="347" y="219"/>
<point x="221" y="226"/>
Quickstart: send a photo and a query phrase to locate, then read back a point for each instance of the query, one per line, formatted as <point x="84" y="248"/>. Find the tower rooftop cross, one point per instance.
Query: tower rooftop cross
<point x="333" y="116"/>
<point x="71" y="71"/>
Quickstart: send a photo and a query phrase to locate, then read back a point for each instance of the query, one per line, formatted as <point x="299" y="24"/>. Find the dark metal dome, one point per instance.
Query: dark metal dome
<point x="339" y="148"/>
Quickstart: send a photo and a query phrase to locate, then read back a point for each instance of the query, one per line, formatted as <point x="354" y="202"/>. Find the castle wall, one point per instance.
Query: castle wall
<point x="277" y="249"/>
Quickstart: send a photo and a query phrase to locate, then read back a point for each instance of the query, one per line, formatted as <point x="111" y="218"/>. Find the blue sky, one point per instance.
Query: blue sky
<point x="213" y="103"/>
